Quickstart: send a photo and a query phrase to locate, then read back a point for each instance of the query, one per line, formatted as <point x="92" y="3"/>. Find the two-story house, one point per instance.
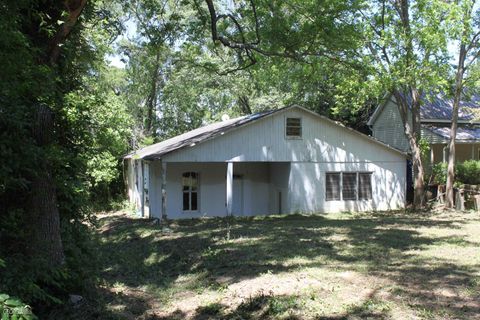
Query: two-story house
<point x="436" y="114"/>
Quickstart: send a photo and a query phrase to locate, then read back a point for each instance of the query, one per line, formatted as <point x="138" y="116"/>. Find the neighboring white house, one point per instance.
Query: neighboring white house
<point x="435" y="117"/>
<point x="282" y="161"/>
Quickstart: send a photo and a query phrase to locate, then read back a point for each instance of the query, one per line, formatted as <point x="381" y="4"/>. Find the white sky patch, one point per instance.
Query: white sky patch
<point x="118" y="60"/>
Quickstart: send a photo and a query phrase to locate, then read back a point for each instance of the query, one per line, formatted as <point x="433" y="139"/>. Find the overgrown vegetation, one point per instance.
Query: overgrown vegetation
<point x="342" y="266"/>
<point x="67" y="115"/>
<point x="467" y="172"/>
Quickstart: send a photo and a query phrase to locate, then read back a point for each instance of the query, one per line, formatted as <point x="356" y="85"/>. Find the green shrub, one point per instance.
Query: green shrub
<point x="467" y="172"/>
<point x="439" y="173"/>
<point x="12" y="308"/>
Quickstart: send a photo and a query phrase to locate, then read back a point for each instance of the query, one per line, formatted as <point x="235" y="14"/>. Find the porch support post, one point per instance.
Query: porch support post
<point x="473" y="151"/>
<point x="432" y="157"/>
<point x="163" y="174"/>
<point x="229" y="188"/>
<point x="141" y="186"/>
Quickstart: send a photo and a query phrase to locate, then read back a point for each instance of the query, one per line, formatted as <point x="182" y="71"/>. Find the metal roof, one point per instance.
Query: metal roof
<point x="195" y="136"/>
<point x="439" y="108"/>
<point x="464" y="133"/>
<point x="191" y="138"/>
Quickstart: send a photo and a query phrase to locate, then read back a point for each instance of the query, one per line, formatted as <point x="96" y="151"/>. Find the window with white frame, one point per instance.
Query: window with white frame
<point x="293" y="127"/>
<point x="348" y="186"/>
<point x="190" y="191"/>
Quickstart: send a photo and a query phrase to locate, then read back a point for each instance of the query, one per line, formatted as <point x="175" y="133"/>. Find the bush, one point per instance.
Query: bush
<point x="12" y="308"/>
<point x="467" y="172"/>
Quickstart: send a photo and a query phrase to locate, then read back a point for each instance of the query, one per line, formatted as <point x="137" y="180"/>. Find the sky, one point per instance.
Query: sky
<point x="115" y="60"/>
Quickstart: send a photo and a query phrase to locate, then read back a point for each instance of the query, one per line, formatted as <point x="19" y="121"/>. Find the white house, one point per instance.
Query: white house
<point x="435" y="118"/>
<point x="282" y="161"/>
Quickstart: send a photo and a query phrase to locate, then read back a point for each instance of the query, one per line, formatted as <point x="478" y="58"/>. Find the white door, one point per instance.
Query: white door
<point x="237" y="206"/>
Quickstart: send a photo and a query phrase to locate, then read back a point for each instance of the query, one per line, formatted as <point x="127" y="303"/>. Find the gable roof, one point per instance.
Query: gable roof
<point x="198" y="135"/>
<point x="438" y="108"/>
<point x="191" y="138"/>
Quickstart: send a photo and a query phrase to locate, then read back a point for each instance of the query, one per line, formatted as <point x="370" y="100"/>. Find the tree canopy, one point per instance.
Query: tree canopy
<point x="68" y="115"/>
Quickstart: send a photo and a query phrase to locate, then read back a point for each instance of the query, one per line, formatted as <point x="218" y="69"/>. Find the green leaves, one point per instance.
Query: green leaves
<point x="14" y="309"/>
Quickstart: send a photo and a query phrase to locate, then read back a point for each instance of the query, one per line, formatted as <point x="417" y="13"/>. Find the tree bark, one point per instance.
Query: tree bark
<point x="413" y="135"/>
<point x="45" y="230"/>
<point x="152" y="100"/>
<point x="45" y="240"/>
<point x="449" y="203"/>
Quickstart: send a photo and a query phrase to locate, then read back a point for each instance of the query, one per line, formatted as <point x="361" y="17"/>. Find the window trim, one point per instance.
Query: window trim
<point x="357" y="187"/>
<point x="301" y="129"/>
<point x="190" y="192"/>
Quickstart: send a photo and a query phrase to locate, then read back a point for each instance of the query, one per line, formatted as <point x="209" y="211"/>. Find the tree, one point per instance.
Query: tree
<point x="407" y="48"/>
<point x="58" y="111"/>
<point x="45" y="219"/>
<point x="466" y="34"/>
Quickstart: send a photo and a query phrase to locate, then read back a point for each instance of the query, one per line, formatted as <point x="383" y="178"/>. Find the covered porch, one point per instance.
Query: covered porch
<point x="197" y="189"/>
<point x="463" y="151"/>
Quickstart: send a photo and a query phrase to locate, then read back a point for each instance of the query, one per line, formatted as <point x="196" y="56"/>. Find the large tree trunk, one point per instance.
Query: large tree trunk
<point x="45" y="240"/>
<point x="449" y="203"/>
<point x="412" y="132"/>
<point x="45" y="235"/>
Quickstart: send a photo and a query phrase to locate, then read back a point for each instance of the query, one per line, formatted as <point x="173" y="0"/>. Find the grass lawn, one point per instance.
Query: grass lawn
<point x="342" y="266"/>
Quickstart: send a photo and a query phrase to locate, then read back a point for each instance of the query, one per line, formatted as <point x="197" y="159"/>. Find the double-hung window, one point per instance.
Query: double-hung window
<point x="190" y="191"/>
<point x="348" y="186"/>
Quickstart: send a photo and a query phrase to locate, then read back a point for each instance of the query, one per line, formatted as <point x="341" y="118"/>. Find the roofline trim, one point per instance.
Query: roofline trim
<point x="450" y="121"/>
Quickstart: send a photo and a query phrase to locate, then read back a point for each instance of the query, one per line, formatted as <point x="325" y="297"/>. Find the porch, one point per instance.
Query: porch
<point x="197" y="189"/>
<point x="463" y="151"/>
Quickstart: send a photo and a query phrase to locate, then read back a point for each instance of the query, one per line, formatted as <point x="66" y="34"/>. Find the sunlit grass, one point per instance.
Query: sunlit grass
<point x="346" y="265"/>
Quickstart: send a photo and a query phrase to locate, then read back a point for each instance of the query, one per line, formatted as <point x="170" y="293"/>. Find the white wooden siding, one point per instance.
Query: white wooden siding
<point x="307" y="187"/>
<point x="388" y="127"/>
<point x="265" y="140"/>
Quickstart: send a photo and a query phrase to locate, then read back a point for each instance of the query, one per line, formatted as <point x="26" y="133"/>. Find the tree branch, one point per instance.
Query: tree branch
<point x="74" y="9"/>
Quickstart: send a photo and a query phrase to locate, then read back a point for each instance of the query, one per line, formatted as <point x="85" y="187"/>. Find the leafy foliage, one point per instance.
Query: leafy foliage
<point x="91" y="133"/>
<point x="467" y="172"/>
<point x="12" y="308"/>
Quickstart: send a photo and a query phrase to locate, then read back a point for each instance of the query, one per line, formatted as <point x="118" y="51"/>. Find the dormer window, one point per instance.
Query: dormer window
<point x="293" y="127"/>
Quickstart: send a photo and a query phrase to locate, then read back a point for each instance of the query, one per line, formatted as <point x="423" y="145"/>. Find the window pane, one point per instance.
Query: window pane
<point x="186" y="198"/>
<point x="349" y="186"/>
<point x="194" y="201"/>
<point x="194" y="181"/>
<point x="332" y="186"/>
<point x="292" y="131"/>
<point x="293" y="122"/>
<point x="293" y="127"/>
<point x="365" y="186"/>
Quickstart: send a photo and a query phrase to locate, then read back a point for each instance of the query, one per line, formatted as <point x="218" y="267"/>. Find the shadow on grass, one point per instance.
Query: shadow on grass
<point x="200" y="254"/>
